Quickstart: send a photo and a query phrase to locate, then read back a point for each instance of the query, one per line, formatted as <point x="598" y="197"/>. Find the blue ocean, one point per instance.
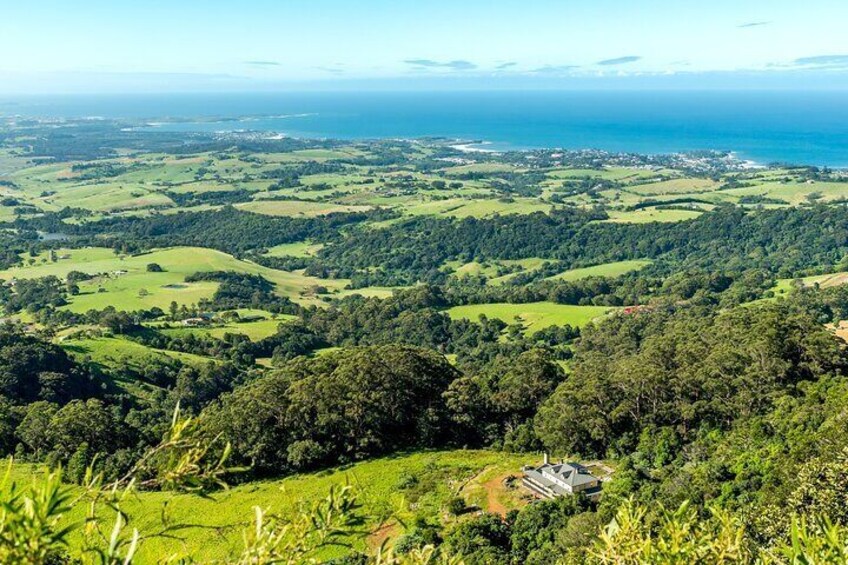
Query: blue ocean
<point x="763" y="126"/>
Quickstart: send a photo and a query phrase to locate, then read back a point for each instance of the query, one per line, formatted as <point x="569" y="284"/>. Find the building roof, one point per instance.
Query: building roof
<point x="572" y="474"/>
<point x="558" y="479"/>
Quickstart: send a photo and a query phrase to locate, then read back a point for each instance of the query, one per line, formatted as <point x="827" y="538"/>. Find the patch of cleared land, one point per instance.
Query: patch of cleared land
<point x="534" y="316"/>
<point x="298" y="249"/>
<point x="675" y="186"/>
<point x="782" y="287"/>
<point x="122" y="352"/>
<point x="840" y="330"/>
<point x="490" y="269"/>
<point x="296" y="208"/>
<point x="617" y="174"/>
<point x="795" y="192"/>
<point x="253" y="330"/>
<point x="606" y="270"/>
<point x="647" y="215"/>
<point x="477" y="208"/>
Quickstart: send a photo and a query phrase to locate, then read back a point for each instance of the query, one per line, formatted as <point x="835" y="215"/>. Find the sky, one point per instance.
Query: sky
<point x="210" y="45"/>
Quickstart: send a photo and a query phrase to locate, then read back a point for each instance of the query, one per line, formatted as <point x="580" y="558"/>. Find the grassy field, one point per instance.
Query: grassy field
<point x="477" y="208"/>
<point x="298" y="208"/>
<point x="109" y="197"/>
<point x="299" y="249"/>
<point x="647" y="215"/>
<point x="490" y="269"/>
<point x="795" y="192"/>
<point x="369" y="291"/>
<point x="121" y="352"/>
<point x="618" y="174"/>
<point x="127" y="285"/>
<point x="534" y="316"/>
<point x="782" y="287"/>
<point x="253" y="330"/>
<point x="606" y="270"/>
<point x="481" y="168"/>
<point x="675" y="186"/>
<point x="403" y="485"/>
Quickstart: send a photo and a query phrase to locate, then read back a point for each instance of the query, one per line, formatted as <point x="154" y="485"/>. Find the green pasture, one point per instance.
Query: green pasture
<point x="617" y="174"/>
<point x="403" y="485"/>
<point x="127" y="285"/>
<point x="534" y="316"/>
<point x="675" y="186"/>
<point x="647" y="215"/>
<point x="298" y="208"/>
<point x="297" y="249"/>
<point x="254" y="330"/>
<point x="615" y="269"/>
<point x="477" y="208"/>
<point x="795" y="193"/>
<point x="119" y="352"/>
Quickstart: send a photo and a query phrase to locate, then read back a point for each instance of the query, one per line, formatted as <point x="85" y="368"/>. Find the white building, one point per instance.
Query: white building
<point x="551" y="480"/>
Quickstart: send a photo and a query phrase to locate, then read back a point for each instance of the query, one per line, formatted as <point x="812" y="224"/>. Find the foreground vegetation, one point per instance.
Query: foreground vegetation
<point x="384" y="488"/>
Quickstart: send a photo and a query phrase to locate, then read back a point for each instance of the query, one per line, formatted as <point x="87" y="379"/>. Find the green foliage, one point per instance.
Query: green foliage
<point x="60" y="432"/>
<point x="342" y="407"/>
<point x="679" y="537"/>
<point x="241" y="290"/>
<point x="819" y="541"/>
<point x="327" y="523"/>
<point x="227" y="229"/>
<point x="32" y="369"/>
<point x="456" y="505"/>
<point x="538" y="530"/>
<point x="726" y="239"/>
<point x="481" y="540"/>
<point x="503" y="397"/>
<point x="184" y="460"/>
<point x="661" y="369"/>
<point x="35" y="294"/>
<point x="30" y="520"/>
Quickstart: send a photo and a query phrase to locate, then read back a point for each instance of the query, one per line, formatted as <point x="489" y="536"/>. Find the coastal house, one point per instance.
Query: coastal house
<point x="551" y="480"/>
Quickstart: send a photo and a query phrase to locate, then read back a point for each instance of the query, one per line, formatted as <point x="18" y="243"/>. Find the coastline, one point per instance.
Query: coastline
<point x="780" y="127"/>
<point x="473" y="147"/>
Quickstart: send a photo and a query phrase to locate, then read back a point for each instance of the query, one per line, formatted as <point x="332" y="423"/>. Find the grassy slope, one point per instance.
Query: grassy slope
<point x="620" y="174"/>
<point x="298" y="249"/>
<point x="297" y="208"/>
<point x="490" y="268"/>
<point x="782" y="287"/>
<point x="606" y="270"/>
<point x="795" y="192"/>
<point x="534" y="316"/>
<point x="647" y="215"/>
<point x="222" y="518"/>
<point x="121" y="352"/>
<point x="122" y="289"/>
<point x="675" y="186"/>
<point x="254" y="330"/>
